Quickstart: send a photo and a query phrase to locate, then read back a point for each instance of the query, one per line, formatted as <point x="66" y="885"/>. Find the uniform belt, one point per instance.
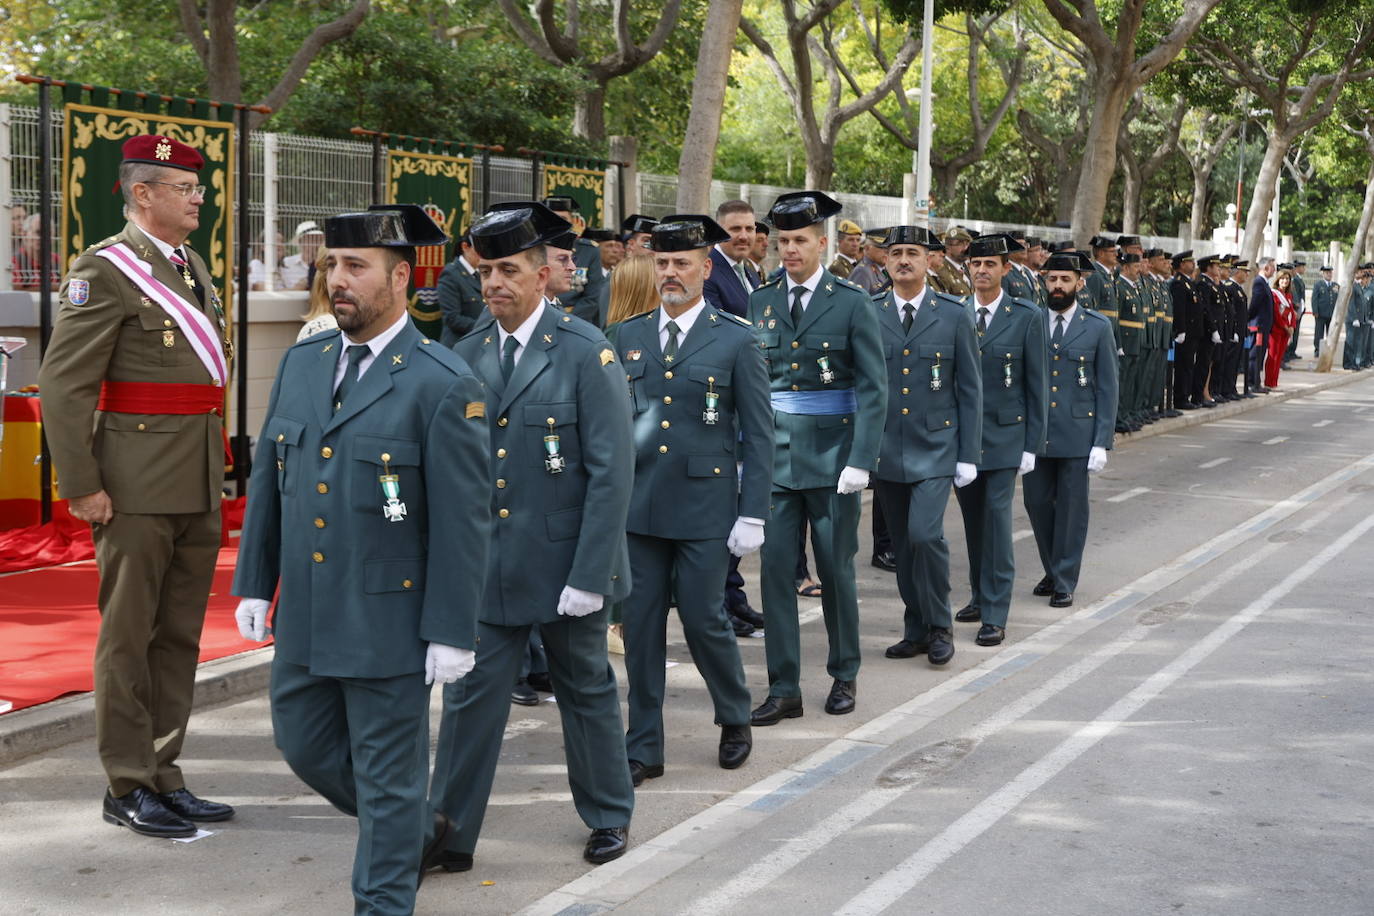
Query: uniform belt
<point x="1132" y="324"/>
<point x="172" y="398"/>
<point x="1110" y="313"/>
<point x="829" y="402"/>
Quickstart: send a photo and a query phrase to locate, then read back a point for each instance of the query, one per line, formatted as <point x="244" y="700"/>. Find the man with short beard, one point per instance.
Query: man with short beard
<point x="1082" y="415"/>
<point x="700" y="396"/>
<point x="732" y="276"/>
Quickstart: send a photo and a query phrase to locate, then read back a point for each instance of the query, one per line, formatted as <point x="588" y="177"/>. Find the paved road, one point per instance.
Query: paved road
<point x="1192" y="737"/>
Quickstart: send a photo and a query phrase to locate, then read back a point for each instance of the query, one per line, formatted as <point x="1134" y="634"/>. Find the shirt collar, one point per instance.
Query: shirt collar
<point x="684" y="321"/>
<point x="991" y="306"/>
<point x="165" y="247"/>
<point x="810" y="283"/>
<point x="463" y="262"/>
<point x="380" y="342"/>
<point x="728" y="260"/>
<point x="523" y="333"/>
<point x="916" y="303"/>
<point x="1068" y="314"/>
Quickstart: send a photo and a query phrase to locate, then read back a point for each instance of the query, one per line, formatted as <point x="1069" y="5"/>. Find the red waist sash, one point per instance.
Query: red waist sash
<point x="165" y="398"/>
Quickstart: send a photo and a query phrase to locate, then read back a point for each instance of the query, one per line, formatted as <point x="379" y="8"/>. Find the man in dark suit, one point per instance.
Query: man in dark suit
<point x="1187" y="328"/>
<point x="460" y="293"/>
<point x="732" y="276"/>
<point x="1260" y="317"/>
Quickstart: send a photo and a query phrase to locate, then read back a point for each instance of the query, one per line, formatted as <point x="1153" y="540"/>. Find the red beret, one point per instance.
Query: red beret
<point x="159" y="150"/>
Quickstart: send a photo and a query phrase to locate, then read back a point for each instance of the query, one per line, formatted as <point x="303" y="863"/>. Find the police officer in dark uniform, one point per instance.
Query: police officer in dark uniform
<point x="1187" y="328"/>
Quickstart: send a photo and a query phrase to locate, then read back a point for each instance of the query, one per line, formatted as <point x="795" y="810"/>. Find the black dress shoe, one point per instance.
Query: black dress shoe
<point x="989" y="635"/>
<point x="841" y="699"/>
<point x="639" y="772"/>
<point x="183" y="803"/>
<point x="606" y="844"/>
<point x="886" y="560"/>
<point x="907" y="648"/>
<point x="941" y="647"/>
<point x="1044" y="588"/>
<point x="969" y="613"/>
<point x="523" y="694"/>
<point x="740" y="626"/>
<point x="455" y="861"/>
<point x="433" y="854"/>
<point x="1209" y="404"/>
<point x="774" y="709"/>
<point x="1171" y="414"/>
<point x="736" y="741"/>
<point x="541" y="681"/>
<point x="142" y="812"/>
<point x="1062" y="599"/>
<point x="1186" y="406"/>
<point x="748" y="615"/>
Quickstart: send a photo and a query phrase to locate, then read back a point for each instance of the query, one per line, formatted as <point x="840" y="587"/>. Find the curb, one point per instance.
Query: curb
<point x="50" y="725"/>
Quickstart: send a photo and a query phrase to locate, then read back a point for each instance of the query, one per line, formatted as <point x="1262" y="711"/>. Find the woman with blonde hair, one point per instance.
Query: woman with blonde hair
<point x="321" y="314"/>
<point x="633" y="292"/>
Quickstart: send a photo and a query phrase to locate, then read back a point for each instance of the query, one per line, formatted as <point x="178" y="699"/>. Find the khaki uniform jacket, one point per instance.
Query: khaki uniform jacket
<point x="147" y="463"/>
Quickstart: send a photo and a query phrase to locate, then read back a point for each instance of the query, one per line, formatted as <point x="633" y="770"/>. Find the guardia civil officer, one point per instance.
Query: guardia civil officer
<point x="368" y="506"/>
<point x="932" y="436"/>
<point x="1015" y="389"/>
<point x="459" y="293"/>
<point x="819" y="336"/>
<point x="1099" y="283"/>
<point x="1324" y="293"/>
<point x="562" y="469"/>
<point x="700" y="394"/>
<point x="1018" y="282"/>
<point x="1131" y="306"/>
<point x="586" y="294"/>
<point x="635" y="232"/>
<point x="1079" y="431"/>
<point x="133" y="395"/>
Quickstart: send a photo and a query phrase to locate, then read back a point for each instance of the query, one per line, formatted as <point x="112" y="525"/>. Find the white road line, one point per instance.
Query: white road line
<point x="1129" y="494"/>
<point x="1215" y="462"/>
<point x="888" y="889"/>
<point x="1274" y="441"/>
<point x="1320" y="423"/>
<point x="1021" y="535"/>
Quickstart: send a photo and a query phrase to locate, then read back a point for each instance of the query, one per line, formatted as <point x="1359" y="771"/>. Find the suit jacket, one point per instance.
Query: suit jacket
<point x="1015" y="382"/>
<point x="1082" y="414"/>
<point x="588" y="302"/>
<point x="723" y="288"/>
<point x="839" y="325"/>
<point x="361" y="596"/>
<point x="460" y="301"/>
<point x="685" y="484"/>
<point x="554" y="529"/>
<point x="147" y="463"/>
<point x="1261" y="312"/>
<point x="929" y="430"/>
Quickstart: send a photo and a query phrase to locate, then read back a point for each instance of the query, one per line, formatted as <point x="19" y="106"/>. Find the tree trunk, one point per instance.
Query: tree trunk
<point x="1198" y="222"/>
<point x="698" y="157"/>
<point x="589" y="114"/>
<point x="820" y="168"/>
<point x="1130" y="198"/>
<point x="1262" y="197"/>
<point x="1099" y="161"/>
<point x="1337" y="326"/>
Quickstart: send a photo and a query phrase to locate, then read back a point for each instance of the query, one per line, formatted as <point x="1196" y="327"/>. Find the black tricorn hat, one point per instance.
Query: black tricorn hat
<point x="1299" y="263"/>
<point x="687" y="232"/>
<point x="985" y="246"/>
<point x="599" y="235"/>
<point x="565" y="240"/>
<point x="383" y="226"/>
<point x="760" y="226"/>
<point x="638" y="222"/>
<point x="1129" y="257"/>
<point x="509" y="228"/>
<point x="800" y="209"/>
<point x="1182" y="256"/>
<point x="1100" y="243"/>
<point x="1123" y="240"/>
<point x="562" y="204"/>
<point x="912" y="235"/>
<point x="1074" y="261"/>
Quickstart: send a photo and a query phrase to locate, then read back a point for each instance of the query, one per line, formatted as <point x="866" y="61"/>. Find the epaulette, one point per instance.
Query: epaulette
<point x="854" y="286"/>
<point x="581" y="328"/>
<point x="480" y="327"/>
<point x="103" y="243"/>
<point x="443" y="356"/>
<point x="324" y="337"/>
<point x="880" y="296"/>
<point x="772" y="282"/>
<point x="737" y="319"/>
<point x="956" y="300"/>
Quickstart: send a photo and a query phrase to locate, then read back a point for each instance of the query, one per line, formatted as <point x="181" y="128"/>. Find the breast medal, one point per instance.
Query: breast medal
<point x="554" y="462"/>
<point x="394" y="510"/>
<point x="935" y="382"/>
<point x="711" y="415"/>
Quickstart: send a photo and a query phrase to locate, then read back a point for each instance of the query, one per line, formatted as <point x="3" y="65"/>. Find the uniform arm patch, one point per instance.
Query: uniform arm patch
<point x="475" y="410"/>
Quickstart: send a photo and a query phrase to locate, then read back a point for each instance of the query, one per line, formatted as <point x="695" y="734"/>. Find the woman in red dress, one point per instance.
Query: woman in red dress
<point x="1285" y="319"/>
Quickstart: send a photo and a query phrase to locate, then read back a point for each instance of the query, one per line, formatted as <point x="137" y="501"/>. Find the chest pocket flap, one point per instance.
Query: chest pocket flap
<point x="827" y="341"/>
<point x="634" y="368"/>
<point x="152" y="318"/>
<point x="1081" y="356"/>
<point x="399" y="452"/>
<point x="942" y="352"/>
<point x="712" y="374"/>
<point x="563" y="413"/>
<point x="284" y="431"/>
<point x="768" y="339"/>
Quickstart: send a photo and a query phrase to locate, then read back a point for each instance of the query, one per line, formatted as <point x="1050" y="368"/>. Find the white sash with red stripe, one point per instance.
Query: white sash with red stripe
<point x="193" y="322"/>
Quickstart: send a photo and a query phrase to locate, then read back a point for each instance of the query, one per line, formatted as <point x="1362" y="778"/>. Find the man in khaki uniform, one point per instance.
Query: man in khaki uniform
<point x="952" y="274"/>
<point x="133" y="392"/>
<point x="848" y="245"/>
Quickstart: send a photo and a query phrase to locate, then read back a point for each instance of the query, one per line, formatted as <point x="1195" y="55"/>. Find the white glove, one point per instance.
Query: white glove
<point x="574" y="602"/>
<point x="1120" y="352"/>
<point x="251" y="617"/>
<point x="1235" y="338"/>
<point x="1179" y="338"/>
<point x="1027" y="464"/>
<point x="1354" y="324"/>
<point x="447" y="664"/>
<point x="746" y="537"/>
<point x="1097" y="459"/>
<point x="964" y="474"/>
<point x="852" y="480"/>
<point x="1216" y="337"/>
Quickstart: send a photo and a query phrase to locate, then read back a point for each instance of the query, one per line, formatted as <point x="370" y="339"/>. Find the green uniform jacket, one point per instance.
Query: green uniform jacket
<point x="1131" y="312"/>
<point x="567" y="528"/>
<point x="361" y="596"/>
<point x="839" y="325"/>
<point x="1018" y="283"/>
<point x="1082" y="412"/>
<point x="1102" y="289"/>
<point x="685" y="485"/>
<point x="147" y="463"/>
<point x="1324" y="298"/>
<point x="1015" y="382"/>
<point x="929" y="430"/>
<point x="587" y="302"/>
<point x="460" y="300"/>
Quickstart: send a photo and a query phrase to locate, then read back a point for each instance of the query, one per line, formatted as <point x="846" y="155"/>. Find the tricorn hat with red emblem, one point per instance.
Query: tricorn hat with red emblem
<point x="156" y="149"/>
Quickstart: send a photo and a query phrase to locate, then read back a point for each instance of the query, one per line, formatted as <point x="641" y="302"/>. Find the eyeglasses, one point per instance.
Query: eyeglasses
<point x="185" y="190"/>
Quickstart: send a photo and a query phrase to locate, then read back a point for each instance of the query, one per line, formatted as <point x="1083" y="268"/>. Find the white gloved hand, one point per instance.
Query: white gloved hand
<point x="964" y="474"/>
<point x="447" y="664"/>
<point x="1097" y="459"/>
<point x="746" y="537"/>
<point x="1027" y="464"/>
<point x="1216" y="337"/>
<point x="1179" y="338"/>
<point x="574" y="602"/>
<point x="1354" y="324"/>
<point x="852" y="480"/>
<point x="251" y="617"/>
<point x="1235" y="338"/>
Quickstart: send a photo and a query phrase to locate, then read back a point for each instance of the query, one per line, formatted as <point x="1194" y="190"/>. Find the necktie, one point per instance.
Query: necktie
<point x="356" y="352"/>
<point x="1058" y="336"/>
<point x="670" y="351"/>
<point x="797" y="293"/>
<point x="743" y="273"/>
<point x="908" y="316"/>
<point x="508" y="356"/>
<point x="982" y="320"/>
<point x="179" y="261"/>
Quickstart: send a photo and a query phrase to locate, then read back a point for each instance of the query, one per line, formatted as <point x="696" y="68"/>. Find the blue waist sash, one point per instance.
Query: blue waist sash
<point x="828" y="402"/>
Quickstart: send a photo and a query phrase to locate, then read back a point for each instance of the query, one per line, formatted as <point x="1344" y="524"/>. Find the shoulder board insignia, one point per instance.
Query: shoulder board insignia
<point x="475" y="410"/>
<point x="607" y="357"/>
<point x="743" y="321"/>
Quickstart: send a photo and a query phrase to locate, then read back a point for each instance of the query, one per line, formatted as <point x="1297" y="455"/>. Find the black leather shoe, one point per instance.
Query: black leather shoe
<point x="841" y="699"/>
<point x="740" y="626"/>
<point x="1062" y="599"/>
<point x="1209" y="404"/>
<point x="1187" y="406"/>
<point x="1172" y="414"/>
<point x="941" y="647"/>
<point x="606" y="844"/>
<point x="184" y="804"/>
<point x="1044" y="588"/>
<point x="969" y="613"/>
<point x="748" y="615"/>
<point x="906" y="648"/>
<point x="433" y="854"/>
<point x="886" y="560"/>
<point x="523" y="694"/>
<point x="541" y="681"/>
<point x="143" y="812"/>
<point x="455" y="861"/>
<point x="774" y="709"/>
<point x="989" y="635"/>
<point x="639" y="772"/>
<point x="736" y="741"/>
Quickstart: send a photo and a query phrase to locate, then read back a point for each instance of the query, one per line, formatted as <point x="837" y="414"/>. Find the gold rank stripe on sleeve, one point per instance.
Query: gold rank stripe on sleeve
<point x="475" y="410"/>
<point x="607" y="357"/>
